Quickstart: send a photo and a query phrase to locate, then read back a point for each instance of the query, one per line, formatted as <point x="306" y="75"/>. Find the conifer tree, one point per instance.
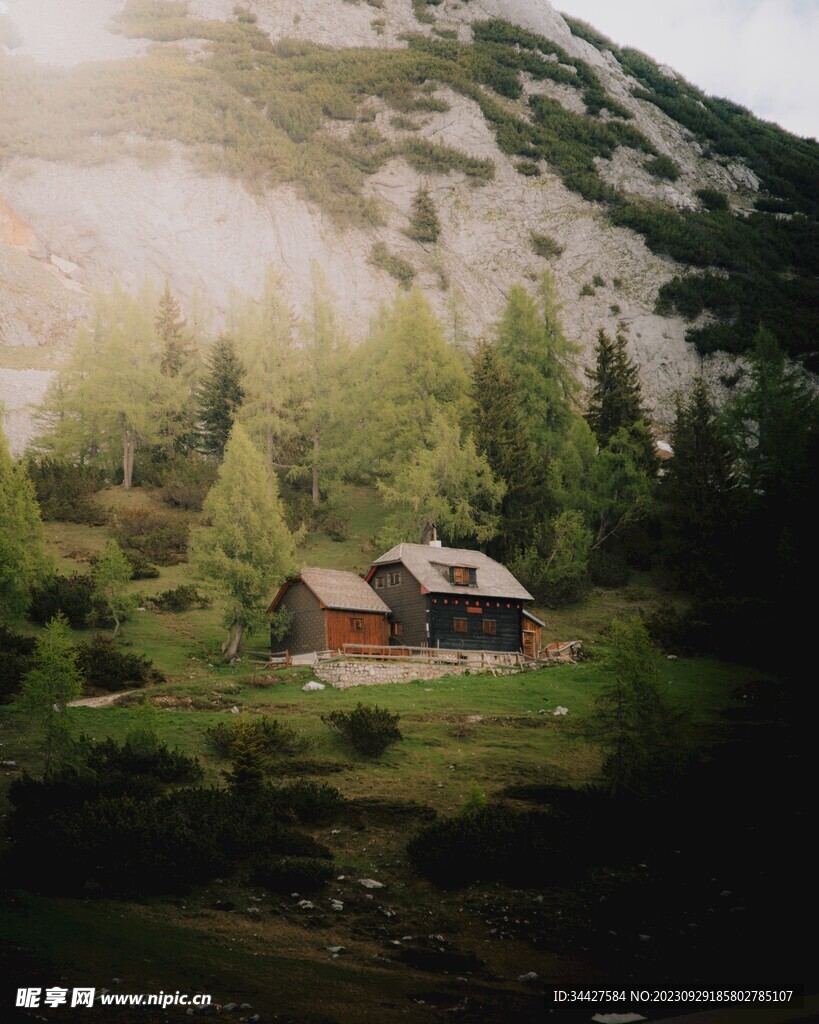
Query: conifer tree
<point x="219" y="396"/>
<point x="541" y="359"/>
<point x="244" y="548"/>
<point x="425" y="225"/>
<point x="51" y="685"/>
<point x="698" y="494"/>
<point x="616" y="400"/>
<point x="170" y="327"/>
<point x="500" y="435"/>
<point x="22" y="551"/>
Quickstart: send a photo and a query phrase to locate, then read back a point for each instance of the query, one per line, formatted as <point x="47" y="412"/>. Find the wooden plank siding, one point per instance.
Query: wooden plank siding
<point x="407" y="603"/>
<point x="309" y="630"/>
<point x="342" y="628"/>
<point x="447" y="613"/>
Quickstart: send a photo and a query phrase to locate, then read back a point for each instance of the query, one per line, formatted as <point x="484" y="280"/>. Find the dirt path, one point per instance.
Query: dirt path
<point x="100" y="702"/>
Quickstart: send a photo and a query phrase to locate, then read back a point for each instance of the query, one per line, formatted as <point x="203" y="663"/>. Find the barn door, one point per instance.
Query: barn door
<point x="529" y="643"/>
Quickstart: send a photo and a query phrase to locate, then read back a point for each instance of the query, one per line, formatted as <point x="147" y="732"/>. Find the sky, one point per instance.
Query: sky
<point x="763" y="54"/>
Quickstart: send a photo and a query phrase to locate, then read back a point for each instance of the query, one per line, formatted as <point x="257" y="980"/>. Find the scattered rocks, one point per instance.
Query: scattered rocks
<point x="312" y="686"/>
<point x="306" y="905"/>
<point x="528" y="978"/>
<point x="370" y="883"/>
<point x="336" y="905"/>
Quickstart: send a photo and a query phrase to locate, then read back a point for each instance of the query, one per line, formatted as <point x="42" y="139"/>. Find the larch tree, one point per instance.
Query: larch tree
<point x="50" y="686"/>
<point x="219" y="395"/>
<point x="243" y="549"/>
<point x="447" y="484"/>
<point x="541" y="359"/>
<point x="170" y="327"/>
<point x="425" y="225"/>
<point x="23" y="559"/>
<point x="112" y="573"/>
<point x="272" y="410"/>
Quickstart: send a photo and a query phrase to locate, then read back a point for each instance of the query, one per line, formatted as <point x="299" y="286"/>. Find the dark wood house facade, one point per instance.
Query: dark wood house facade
<point x="330" y="608"/>
<point x="450" y="597"/>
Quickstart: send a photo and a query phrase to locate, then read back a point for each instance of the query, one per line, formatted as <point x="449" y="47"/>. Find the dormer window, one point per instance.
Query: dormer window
<point x="461" y="575"/>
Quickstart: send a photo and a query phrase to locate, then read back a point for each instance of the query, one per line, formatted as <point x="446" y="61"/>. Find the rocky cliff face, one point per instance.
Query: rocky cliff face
<point x="66" y="229"/>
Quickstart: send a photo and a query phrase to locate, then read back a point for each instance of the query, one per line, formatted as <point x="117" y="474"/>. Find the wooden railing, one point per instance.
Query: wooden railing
<point x="428" y="656"/>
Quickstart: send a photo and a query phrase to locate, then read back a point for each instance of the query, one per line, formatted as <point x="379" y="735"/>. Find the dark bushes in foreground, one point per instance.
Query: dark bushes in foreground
<point x="73" y="596"/>
<point x="105" y="666"/>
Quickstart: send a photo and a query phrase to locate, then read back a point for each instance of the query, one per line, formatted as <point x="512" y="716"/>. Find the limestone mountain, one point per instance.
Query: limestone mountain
<point x="203" y="142"/>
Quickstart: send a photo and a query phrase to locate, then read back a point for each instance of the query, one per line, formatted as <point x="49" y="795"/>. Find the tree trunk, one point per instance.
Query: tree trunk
<point x="127" y="459"/>
<point x="316" y="492"/>
<point x="231" y="649"/>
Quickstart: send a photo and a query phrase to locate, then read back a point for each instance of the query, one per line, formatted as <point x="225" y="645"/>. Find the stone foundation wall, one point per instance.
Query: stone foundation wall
<point x="342" y="674"/>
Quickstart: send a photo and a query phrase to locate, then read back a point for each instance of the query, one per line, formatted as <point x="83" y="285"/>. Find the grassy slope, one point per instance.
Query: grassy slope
<point x="459" y="732"/>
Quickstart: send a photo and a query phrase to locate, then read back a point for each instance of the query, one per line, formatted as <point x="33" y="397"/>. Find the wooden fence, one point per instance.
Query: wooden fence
<point x="429" y="656"/>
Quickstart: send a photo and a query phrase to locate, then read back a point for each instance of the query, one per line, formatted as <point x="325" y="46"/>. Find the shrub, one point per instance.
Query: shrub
<point x="489" y="843"/>
<point x="663" y="167"/>
<point x="396" y="267"/>
<point x="15" y="662"/>
<point x="545" y="245"/>
<point x="273" y="736"/>
<point x="107" y="759"/>
<point x="598" y="281"/>
<point x="141" y="568"/>
<point x="289" y="874"/>
<point x="105" y="666"/>
<point x="65" y="492"/>
<point x="587" y="289"/>
<point x="425" y="225"/>
<point x="306" y="801"/>
<point x="369" y="729"/>
<point x="711" y="199"/>
<point x="186" y="479"/>
<point x="180" y="599"/>
<point x="73" y="596"/>
<point x="158" y="536"/>
<point x="528" y="168"/>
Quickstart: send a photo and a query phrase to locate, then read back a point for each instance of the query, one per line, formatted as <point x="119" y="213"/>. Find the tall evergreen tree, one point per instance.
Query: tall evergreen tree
<point x="52" y="684"/>
<point x="22" y="550"/>
<point x="542" y="361"/>
<point x="219" y="395"/>
<point x="170" y="327"/>
<point x="616" y="400"/>
<point x="698" y="495"/>
<point x="500" y="435"/>
<point x="244" y="548"/>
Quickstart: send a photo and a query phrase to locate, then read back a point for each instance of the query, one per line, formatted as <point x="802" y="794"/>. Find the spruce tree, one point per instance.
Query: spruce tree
<point x="617" y="400"/>
<point x="500" y="435"/>
<point x="219" y="396"/>
<point x="698" y="495"/>
<point x="170" y="327"/>
<point x="425" y="225"/>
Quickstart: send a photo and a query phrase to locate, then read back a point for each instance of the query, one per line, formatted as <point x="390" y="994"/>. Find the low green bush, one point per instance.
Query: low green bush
<point x="15" y="661"/>
<point x="370" y="729"/>
<point x="663" y="167"/>
<point x="712" y="199"/>
<point x="161" y="537"/>
<point x="272" y="736"/>
<point x="105" y="666"/>
<point x="400" y="269"/>
<point x="65" y="492"/>
<point x="73" y="596"/>
<point x="545" y="245"/>
<point x="186" y="479"/>
<point x="180" y="599"/>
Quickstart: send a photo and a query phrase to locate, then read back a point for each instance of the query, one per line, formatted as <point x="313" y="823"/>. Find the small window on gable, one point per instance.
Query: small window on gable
<point x="395" y="579"/>
<point x="356" y="624"/>
<point x="396" y="629"/>
<point x="379" y="582"/>
<point x="460" y="625"/>
<point x="490" y="627"/>
<point x="460" y="576"/>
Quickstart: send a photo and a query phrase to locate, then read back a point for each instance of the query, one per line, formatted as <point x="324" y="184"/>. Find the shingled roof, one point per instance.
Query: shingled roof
<point x="430" y="566"/>
<point x="342" y="591"/>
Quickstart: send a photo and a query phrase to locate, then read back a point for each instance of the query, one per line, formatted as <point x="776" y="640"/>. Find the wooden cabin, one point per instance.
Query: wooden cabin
<point x="450" y="597"/>
<point x="330" y="608"/>
<point x="531" y="637"/>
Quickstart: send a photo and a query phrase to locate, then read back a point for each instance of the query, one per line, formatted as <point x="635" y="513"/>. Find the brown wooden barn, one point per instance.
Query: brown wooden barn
<point x="330" y="608"/>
